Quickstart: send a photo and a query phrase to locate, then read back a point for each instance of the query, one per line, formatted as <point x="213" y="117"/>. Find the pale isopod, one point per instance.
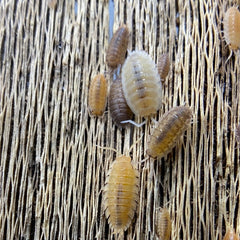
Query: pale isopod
<point x="121" y="194"/>
<point x="119" y="109"/>
<point x="118" y="47"/>
<point x="231" y="24"/>
<point x="163" y="224"/>
<point x="141" y="82"/>
<point x="170" y="128"/>
<point x="163" y="66"/>
<point x="231" y="235"/>
<point x="97" y="97"/>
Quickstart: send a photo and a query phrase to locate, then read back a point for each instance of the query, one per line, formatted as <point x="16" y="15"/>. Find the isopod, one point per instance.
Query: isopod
<point x="119" y="109"/>
<point x="231" y="235"/>
<point x="163" y="224"/>
<point x="163" y="66"/>
<point x="231" y="24"/>
<point x="52" y="3"/>
<point x="141" y="82"/>
<point x="170" y="128"/>
<point x="97" y="97"/>
<point x="121" y="194"/>
<point x="237" y="133"/>
<point x="118" y="47"/>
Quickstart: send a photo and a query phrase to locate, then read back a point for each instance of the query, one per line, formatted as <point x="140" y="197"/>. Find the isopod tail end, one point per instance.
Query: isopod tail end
<point x="134" y="123"/>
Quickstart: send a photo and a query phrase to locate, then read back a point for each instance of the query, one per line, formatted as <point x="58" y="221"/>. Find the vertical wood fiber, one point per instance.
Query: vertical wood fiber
<point x="51" y="171"/>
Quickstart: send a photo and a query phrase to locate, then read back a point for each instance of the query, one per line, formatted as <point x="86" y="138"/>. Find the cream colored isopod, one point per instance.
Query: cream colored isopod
<point x="231" y="24"/>
<point x="141" y="82"/>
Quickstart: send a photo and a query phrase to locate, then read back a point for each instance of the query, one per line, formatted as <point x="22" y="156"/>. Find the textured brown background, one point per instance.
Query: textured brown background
<point x="52" y="173"/>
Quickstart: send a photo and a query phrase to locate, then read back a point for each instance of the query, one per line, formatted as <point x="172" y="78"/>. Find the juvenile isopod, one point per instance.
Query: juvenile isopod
<point x="163" y="66"/>
<point x="141" y="82"/>
<point x="97" y="97"/>
<point x="163" y="224"/>
<point x="237" y="133"/>
<point x="118" y="47"/>
<point x="121" y="194"/>
<point x="119" y="109"/>
<point x="231" y="24"/>
<point x="52" y="3"/>
<point x="231" y="235"/>
<point x="170" y="128"/>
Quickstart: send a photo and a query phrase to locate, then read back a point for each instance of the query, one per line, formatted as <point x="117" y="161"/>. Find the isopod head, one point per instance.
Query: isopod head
<point x="141" y="84"/>
<point x="231" y="24"/>
<point x="170" y="128"/>
<point x="118" y="47"/>
<point x="163" y="224"/>
<point x="121" y="194"/>
<point x="97" y="97"/>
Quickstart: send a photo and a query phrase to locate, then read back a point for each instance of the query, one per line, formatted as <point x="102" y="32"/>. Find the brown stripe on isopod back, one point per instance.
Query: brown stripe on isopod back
<point x="121" y="194"/>
<point x="97" y="97"/>
<point x="118" y="47"/>
<point x="141" y="84"/>
<point x="231" y="24"/>
<point x="170" y="128"/>
<point x="119" y="109"/>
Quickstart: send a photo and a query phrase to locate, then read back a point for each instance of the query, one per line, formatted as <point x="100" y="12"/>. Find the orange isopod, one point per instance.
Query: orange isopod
<point x="97" y="97"/>
<point x="163" y="224"/>
<point x="170" y="128"/>
<point x="163" y="66"/>
<point x="231" y="235"/>
<point x="118" y="47"/>
<point x="121" y="194"/>
<point x="231" y="24"/>
<point x="142" y="85"/>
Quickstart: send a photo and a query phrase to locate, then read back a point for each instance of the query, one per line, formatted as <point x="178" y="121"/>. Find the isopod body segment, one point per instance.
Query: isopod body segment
<point x="121" y="194"/>
<point x="170" y="128"/>
<point x="97" y="97"/>
<point x="231" y="24"/>
<point x="141" y="82"/>
<point x="163" y="224"/>
<point x="231" y="235"/>
<point x="118" y="47"/>
<point x="163" y="66"/>
<point x="119" y="109"/>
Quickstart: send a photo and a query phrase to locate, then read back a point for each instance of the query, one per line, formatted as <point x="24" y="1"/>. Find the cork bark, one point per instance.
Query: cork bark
<point x="52" y="170"/>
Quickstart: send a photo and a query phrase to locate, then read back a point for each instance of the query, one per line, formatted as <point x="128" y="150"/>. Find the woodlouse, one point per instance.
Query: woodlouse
<point x="237" y="133"/>
<point x="121" y="194"/>
<point x="52" y="3"/>
<point x="118" y="47"/>
<point x="141" y="82"/>
<point x="170" y="128"/>
<point x="231" y="24"/>
<point x="97" y="97"/>
<point x="231" y="235"/>
<point x="119" y="109"/>
<point x="163" y="66"/>
<point x="163" y="224"/>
